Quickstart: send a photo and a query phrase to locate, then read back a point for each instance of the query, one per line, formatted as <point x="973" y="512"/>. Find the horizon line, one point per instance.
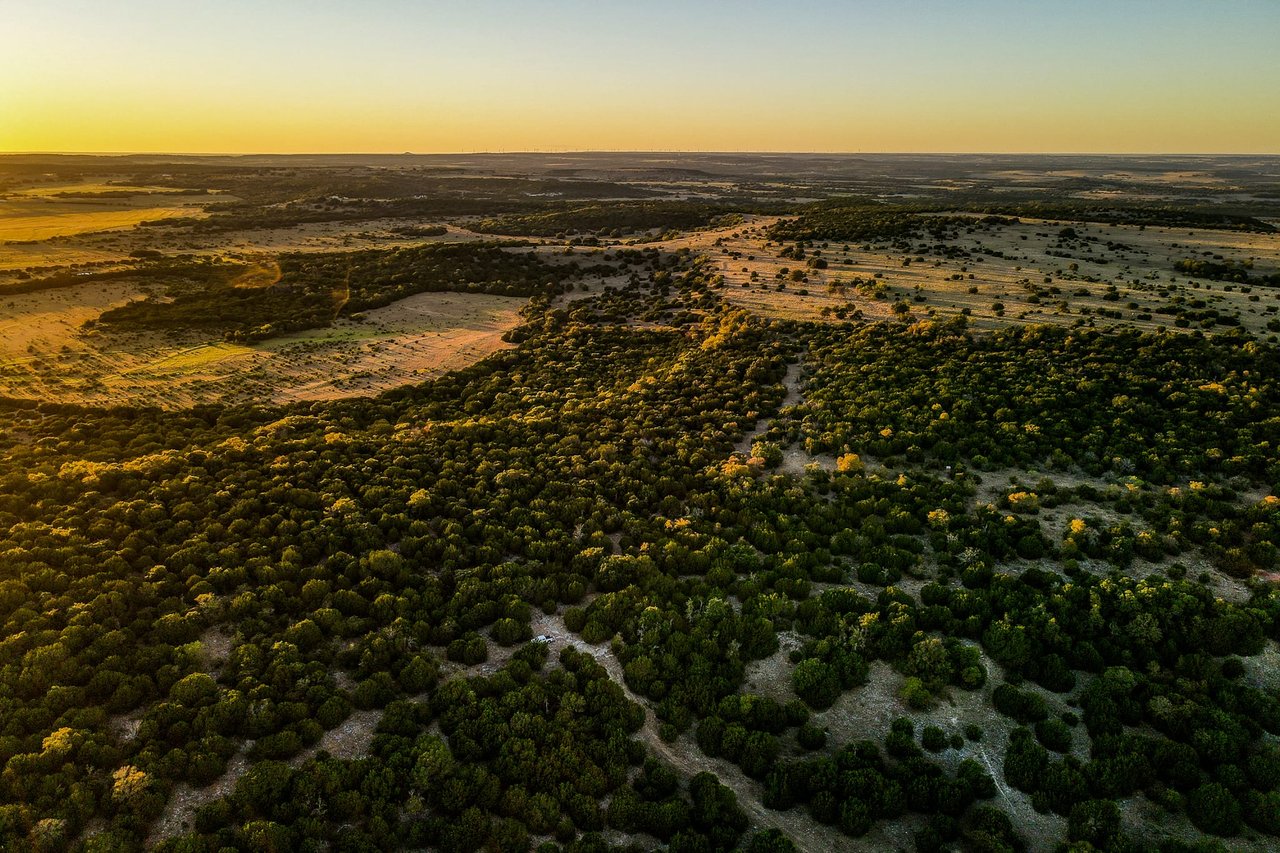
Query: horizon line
<point x="567" y="151"/>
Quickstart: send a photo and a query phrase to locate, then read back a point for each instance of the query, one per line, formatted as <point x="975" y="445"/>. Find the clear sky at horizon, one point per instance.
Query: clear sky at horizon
<point x="1124" y="76"/>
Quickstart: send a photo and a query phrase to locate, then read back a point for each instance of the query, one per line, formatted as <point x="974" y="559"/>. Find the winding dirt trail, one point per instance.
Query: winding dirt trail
<point x="794" y="458"/>
<point x="685" y="756"/>
<point x="793" y="397"/>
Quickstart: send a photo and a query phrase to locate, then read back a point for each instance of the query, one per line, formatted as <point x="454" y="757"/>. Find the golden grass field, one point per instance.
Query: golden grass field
<point x="112" y="247"/>
<point x="62" y="189"/>
<point x="48" y="210"/>
<point x="45" y="355"/>
<point x="23" y="220"/>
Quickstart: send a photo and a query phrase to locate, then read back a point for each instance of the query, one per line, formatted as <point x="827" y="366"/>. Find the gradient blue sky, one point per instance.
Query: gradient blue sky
<point x="393" y="75"/>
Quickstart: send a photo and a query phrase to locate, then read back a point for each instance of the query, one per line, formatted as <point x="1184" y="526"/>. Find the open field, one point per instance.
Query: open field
<point x="102" y="249"/>
<point x="36" y="324"/>
<point x="39" y="220"/>
<point x="1010" y="276"/>
<point x="64" y="209"/>
<point x="93" y="188"/>
<point x="410" y="341"/>
<point x="45" y="355"/>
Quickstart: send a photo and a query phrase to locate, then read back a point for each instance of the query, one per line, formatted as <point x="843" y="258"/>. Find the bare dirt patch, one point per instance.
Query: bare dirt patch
<point x="1263" y="669"/>
<point x="791" y="382"/>
<point x="124" y="727"/>
<point x="348" y="740"/>
<point x="185" y="801"/>
<point x="215" y="647"/>
<point x="771" y="676"/>
<point x="866" y="713"/>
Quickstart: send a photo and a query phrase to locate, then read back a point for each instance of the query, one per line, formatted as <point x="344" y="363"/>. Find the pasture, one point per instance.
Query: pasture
<point x="45" y="354"/>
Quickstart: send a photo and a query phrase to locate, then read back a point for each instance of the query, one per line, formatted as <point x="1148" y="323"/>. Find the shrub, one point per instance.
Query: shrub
<point x="1094" y="821"/>
<point x="915" y="694"/>
<point x="816" y="683"/>
<point x="934" y="739"/>
<point x="811" y="737"/>
<point x="1054" y="734"/>
<point x="1214" y="809"/>
<point x="1023" y="705"/>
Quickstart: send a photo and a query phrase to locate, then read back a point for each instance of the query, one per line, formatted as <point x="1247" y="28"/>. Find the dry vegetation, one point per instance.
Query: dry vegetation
<point x="38" y="213"/>
<point x="1027" y="285"/>
<point x="100" y="249"/>
<point x="44" y="353"/>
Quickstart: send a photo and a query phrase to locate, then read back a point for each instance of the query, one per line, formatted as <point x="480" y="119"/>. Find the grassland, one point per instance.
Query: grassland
<point x="1022" y="272"/>
<point x="94" y="189"/>
<point x="46" y="355"/>
<point x="1009" y="273"/>
<point x="31" y="214"/>
<point x="99" y="249"/>
<point x="23" y="221"/>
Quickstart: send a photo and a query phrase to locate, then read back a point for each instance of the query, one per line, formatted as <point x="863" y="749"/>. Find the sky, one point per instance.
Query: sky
<point x="366" y="76"/>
